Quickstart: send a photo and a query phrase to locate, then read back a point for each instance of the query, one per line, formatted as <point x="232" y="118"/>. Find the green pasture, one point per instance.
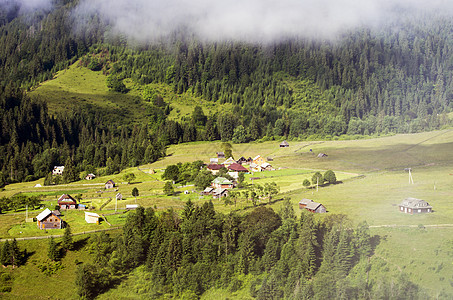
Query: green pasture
<point x="80" y="88"/>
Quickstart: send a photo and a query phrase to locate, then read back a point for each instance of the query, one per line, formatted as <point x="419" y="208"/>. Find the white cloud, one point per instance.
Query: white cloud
<point x="249" y="19"/>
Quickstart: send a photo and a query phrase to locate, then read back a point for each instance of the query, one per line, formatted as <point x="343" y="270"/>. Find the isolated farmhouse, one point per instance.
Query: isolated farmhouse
<point x="312" y="206"/>
<point x="48" y="220"/>
<point x="415" y="206"/>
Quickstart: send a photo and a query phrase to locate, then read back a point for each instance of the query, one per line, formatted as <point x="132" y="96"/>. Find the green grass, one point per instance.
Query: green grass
<point x="373" y="183"/>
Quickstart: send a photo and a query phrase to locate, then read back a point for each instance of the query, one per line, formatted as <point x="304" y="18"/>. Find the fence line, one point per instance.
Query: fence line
<point x="60" y="235"/>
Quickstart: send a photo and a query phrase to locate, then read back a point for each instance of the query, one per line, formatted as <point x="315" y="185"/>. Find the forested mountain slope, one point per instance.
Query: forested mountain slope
<point x="396" y="78"/>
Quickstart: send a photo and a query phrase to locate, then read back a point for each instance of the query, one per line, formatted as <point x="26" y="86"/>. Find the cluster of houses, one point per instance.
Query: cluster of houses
<point x="256" y="164"/>
<point x="49" y="219"/>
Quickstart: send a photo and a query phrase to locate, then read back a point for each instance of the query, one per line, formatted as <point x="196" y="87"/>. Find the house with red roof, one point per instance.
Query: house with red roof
<point x="67" y="202"/>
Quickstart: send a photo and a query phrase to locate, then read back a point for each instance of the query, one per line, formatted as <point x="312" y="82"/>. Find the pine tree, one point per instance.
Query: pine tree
<point x="52" y="251"/>
<point x="67" y="242"/>
<point x="5" y="254"/>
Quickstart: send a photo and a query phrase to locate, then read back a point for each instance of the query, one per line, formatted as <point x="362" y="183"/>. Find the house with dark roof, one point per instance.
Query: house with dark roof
<point x="214" y="168"/>
<point x="219" y="193"/>
<point x="242" y="160"/>
<point x="220" y="155"/>
<point x="67" y="202"/>
<point x="415" y="206"/>
<point x="312" y="206"/>
<point x="47" y="219"/>
<point x="110" y="184"/>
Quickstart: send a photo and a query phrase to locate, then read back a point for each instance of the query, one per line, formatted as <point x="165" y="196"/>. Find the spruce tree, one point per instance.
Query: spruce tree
<point x="52" y="251"/>
<point x="4" y="256"/>
<point x="67" y="243"/>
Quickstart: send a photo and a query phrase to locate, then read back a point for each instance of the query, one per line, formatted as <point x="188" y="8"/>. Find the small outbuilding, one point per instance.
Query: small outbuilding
<point x="415" y="206"/>
<point x="284" y="144"/>
<point x="47" y="219"/>
<point x="321" y="155"/>
<point x="119" y="196"/>
<point x="91" y="217"/>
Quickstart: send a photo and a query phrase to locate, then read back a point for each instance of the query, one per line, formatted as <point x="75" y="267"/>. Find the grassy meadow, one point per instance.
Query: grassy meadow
<point x="372" y="182"/>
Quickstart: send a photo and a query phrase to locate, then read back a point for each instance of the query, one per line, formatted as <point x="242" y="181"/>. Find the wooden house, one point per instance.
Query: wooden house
<point x="249" y="160"/>
<point x="67" y="202"/>
<point x="110" y="184"/>
<point x="90" y="176"/>
<point x="58" y="170"/>
<point x="312" y="206"/>
<point x="48" y="220"/>
<point x="235" y="169"/>
<point x="258" y="160"/>
<point x="220" y="155"/>
<point x="214" y="168"/>
<point x="415" y="206"/>
<point x="91" y="217"/>
<point x="221" y="183"/>
<point x="266" y="167"/>
<point x="284" y="144"/>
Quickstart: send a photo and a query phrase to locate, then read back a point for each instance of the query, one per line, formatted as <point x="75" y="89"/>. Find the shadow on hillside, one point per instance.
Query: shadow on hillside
<point x="79" y="244"/>
<point x="375" y="240"/>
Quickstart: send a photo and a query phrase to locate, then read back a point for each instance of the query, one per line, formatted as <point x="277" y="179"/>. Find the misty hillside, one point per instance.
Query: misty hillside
<point x="391" y="78"/>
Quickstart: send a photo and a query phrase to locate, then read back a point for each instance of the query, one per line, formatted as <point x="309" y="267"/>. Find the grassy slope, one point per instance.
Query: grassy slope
<point x="425" y="254"/>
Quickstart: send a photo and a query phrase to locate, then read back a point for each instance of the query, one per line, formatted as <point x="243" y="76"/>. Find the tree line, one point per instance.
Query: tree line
<point x="280" y="255"/>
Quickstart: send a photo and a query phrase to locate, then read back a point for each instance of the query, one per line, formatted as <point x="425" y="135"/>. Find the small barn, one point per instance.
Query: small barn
<point x="91" y="217"/>
<point x="48" y="220"/>
<point x="284" y="144"/>
<point x="67" y="202"/>
<point x="312" y="206"/>
<point x="208" y="191"/>
<point x="219" y="193"/>
<point x="110" y="184"/>
<point x="415" y="206"/>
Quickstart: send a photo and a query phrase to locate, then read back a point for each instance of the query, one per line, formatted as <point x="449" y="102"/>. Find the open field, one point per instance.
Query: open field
<point x="373" y="183"/>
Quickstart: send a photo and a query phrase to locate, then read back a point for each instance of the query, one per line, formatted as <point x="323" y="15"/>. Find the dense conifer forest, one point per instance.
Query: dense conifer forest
<point x="395" y="79"/>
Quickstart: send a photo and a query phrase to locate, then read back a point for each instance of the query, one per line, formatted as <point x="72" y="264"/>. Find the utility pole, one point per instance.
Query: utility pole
<point x="317" y="183"/>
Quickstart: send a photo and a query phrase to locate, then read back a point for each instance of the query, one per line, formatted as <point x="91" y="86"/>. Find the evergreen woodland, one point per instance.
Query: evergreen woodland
<point x="395" y="79"/>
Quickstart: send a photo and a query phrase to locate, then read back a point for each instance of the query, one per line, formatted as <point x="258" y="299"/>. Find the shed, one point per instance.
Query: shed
<point x="131" y="206"/>
<point x="91" y="217"/>
<point x="415" y="206"/>
<point x="48" y="220"/>
<point x="284" y="144"/>
<point x="219" y="193"/>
